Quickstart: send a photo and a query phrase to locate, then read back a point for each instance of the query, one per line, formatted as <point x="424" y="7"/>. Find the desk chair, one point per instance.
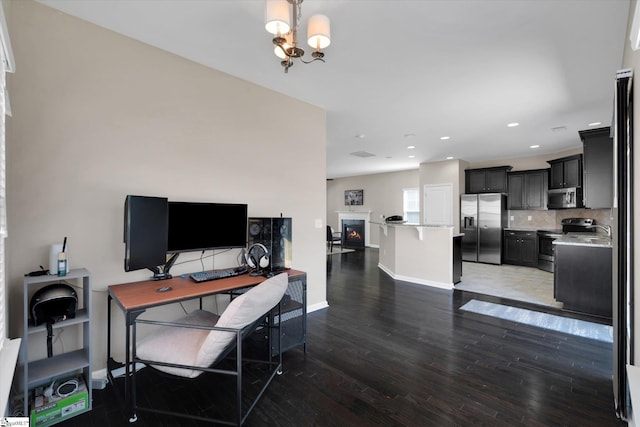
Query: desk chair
<point x="333" y="237"/>
<point x="197" y="342"/>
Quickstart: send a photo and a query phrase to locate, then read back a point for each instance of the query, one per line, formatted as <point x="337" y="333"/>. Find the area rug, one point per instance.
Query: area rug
<point x="577" y="327"/>
<point x="339" y="250"/>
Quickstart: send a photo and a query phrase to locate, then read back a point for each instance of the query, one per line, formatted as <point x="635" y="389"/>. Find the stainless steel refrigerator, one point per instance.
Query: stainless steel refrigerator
<point x="483" y="217"/>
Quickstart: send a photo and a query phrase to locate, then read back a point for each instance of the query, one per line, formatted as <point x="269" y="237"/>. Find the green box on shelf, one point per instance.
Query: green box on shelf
<point x="54" y="411"/>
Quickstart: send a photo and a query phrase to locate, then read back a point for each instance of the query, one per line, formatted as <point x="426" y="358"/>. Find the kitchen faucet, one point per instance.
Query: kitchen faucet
<point x="606" y="228"/>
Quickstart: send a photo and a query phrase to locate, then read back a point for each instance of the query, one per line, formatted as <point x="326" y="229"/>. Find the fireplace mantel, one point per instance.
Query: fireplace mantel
<point x="363" y="215"/>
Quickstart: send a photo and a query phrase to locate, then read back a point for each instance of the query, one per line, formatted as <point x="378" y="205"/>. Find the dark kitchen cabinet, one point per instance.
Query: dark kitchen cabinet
<point x="598" y="168"/>
<point x="520" y="248"/>
<point x="582" y="279"/>
<point x="457" y="259"/>
<point x="486" y="180"/>
<point x="565" y="172"/>
<point x="528" y="189"/>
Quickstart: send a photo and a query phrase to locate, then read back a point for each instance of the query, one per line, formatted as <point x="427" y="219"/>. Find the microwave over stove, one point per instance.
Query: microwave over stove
<point x="565" y="198"/>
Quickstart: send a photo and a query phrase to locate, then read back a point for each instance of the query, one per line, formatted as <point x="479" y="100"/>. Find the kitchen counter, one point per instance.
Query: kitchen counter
<point x="584" y="239"/>
<point x="520" y="229"/>
<point x="418" y="253"/>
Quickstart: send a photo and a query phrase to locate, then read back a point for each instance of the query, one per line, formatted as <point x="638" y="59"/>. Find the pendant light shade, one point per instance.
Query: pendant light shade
<point x="319" y="32"/>
<point x="277" y="19"/>
<point x="282" y="19"/>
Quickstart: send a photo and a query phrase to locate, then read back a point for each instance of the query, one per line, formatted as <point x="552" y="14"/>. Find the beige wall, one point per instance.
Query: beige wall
<point x="97" y="116"/>
<point x="382" y="196"/>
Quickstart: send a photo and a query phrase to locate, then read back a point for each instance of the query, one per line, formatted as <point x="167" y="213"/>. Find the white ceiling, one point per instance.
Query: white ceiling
<point x="407" y="72"/>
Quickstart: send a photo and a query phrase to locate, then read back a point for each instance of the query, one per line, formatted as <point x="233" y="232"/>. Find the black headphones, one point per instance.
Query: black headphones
<point x="257" y="256"/>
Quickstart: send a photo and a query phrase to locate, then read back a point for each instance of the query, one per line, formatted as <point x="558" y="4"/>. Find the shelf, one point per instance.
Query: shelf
<point x="81" y="317"/>
<point x="44" y="369"/>
<point x="78" y="359"/>
<point x="75" y="273"/>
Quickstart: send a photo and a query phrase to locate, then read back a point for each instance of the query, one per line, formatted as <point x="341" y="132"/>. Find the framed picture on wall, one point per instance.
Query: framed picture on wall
<point x="353" y="197"/>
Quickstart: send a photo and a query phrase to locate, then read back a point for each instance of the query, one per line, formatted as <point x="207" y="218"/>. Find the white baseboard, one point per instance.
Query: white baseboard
<point x="317" y="306"/>
<point x="440" y="285"/>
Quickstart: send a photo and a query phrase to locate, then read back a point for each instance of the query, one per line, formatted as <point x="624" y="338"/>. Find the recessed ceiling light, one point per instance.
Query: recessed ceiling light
<point x="534" y="146"/>
<point x="360" y="136"/>
<point x="559" y="129"/>
<point x="444" y="138"/>
<point x="411" y="147"/>
<point x="514" y="124"/>
<point x="449" y="158"/>
<point x="412" y="156"/>
<point x="595" y="123"/>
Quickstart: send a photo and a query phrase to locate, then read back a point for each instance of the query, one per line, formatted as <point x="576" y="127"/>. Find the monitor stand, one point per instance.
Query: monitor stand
<point x="162" y="272"/>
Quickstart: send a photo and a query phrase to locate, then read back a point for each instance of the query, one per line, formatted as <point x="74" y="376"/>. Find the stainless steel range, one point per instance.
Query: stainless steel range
<point x="546" y="250"/>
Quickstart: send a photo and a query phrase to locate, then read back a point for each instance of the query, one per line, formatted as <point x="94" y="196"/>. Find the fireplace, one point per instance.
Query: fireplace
<point x="353" y="233"/>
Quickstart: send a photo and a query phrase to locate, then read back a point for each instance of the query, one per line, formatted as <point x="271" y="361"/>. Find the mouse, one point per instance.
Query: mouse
<point x="164" y="289"/>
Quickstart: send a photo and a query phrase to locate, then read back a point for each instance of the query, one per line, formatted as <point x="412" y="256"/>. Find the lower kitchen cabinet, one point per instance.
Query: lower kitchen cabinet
<point x="520" y="248"/>
<point x="582" y="278"/>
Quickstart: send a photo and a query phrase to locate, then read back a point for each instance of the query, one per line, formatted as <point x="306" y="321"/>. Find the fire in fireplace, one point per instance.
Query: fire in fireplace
<point x="353" y="233"/>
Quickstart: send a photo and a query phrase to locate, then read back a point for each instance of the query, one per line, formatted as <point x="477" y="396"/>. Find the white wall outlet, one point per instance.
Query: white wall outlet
<point x="318" y="223"/>
<point x="529" y="218"/>
<point x="511" y="218"/>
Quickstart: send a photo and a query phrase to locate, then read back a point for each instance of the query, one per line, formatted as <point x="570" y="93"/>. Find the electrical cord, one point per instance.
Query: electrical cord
<point x="67" y="388"/>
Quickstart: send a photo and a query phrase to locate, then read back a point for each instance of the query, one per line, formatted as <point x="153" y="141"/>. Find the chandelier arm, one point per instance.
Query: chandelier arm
<point x="309" y="62"/>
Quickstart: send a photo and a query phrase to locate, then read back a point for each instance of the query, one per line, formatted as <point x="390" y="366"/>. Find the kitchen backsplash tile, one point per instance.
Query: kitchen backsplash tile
<point x="550" y="219"/>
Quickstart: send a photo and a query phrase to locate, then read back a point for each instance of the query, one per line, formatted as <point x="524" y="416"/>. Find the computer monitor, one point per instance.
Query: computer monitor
<point x="203" y="226"/>
<point x="145" y="232"/>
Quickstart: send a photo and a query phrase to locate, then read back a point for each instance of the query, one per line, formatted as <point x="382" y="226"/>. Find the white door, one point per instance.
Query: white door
<point x="438" y="204"/>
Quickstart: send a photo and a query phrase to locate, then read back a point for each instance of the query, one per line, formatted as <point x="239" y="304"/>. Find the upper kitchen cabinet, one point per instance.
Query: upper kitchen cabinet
<point x="486" y="180"/>
<point x="528" y="189"/>
<point x="566" y="172"/>
<point x="598" y="167"/>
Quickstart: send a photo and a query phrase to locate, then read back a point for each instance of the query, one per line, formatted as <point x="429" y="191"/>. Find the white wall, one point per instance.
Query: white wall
<point x="97" y="116"/>
<point x="382" y="196"/>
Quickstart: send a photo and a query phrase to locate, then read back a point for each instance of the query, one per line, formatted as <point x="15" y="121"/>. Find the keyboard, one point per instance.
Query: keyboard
<point x="205" y="276"/>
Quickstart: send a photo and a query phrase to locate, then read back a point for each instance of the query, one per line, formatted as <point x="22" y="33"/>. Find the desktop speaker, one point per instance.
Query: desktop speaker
<point x="275" y="235"/>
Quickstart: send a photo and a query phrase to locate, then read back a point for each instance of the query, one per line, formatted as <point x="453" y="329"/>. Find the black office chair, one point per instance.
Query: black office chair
<point x="333" y="237"/>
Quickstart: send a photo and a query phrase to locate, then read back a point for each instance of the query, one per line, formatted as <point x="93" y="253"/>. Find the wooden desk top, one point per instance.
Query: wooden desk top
<point x="142" y="295"/>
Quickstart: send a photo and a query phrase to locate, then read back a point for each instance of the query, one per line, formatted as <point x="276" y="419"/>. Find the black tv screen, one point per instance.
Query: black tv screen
<point x="201" y="226"/>
<point x="145" y="232"/>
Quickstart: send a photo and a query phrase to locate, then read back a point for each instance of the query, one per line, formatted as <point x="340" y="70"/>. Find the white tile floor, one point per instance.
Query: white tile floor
<point x="509" y="281"/>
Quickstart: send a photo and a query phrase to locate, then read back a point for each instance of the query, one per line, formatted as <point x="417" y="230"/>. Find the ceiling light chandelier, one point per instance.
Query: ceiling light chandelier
<point x="282" y="18"/>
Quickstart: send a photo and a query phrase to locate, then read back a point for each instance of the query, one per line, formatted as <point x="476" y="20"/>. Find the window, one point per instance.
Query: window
<point x="6" y="65"/>
<point x="411" y="205"/>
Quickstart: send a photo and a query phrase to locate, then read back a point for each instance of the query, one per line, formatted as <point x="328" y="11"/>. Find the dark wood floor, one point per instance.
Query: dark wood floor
<point x="398" y="354"/>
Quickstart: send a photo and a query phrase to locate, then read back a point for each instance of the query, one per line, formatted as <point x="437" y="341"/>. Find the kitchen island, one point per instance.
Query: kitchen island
<point x="422" y="254"/>
<point x="582" y="278"/>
